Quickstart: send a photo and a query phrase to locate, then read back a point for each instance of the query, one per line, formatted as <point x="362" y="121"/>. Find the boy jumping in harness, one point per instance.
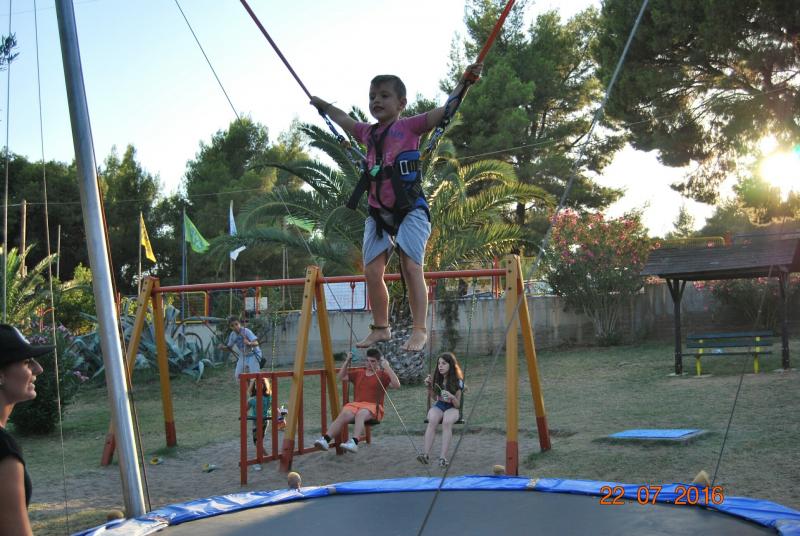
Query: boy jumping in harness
<point x="398" y="212"/>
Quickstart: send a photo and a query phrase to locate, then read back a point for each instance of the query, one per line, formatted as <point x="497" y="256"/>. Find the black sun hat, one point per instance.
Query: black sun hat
<point x="15" y="347"/>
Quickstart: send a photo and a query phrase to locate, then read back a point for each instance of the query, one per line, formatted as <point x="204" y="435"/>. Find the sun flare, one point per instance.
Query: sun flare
<point x="782" y="169"/>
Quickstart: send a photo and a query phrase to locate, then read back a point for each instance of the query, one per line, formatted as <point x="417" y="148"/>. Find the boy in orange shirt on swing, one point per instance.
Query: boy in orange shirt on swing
<point x="369" y="389"/>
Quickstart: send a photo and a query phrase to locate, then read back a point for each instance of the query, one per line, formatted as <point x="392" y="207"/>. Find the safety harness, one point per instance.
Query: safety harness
<point x="405" y="175"/>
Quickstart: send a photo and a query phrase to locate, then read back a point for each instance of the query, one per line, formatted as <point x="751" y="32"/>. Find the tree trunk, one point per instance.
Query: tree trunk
<point x="520" y="214"/>
<point x="410" y="367"/>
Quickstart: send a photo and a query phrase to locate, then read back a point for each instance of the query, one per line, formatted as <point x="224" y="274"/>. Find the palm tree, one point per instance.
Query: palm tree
<point x="336" y="233"/>
<point x="25" y="294"/>
<point x="469" y="205"/>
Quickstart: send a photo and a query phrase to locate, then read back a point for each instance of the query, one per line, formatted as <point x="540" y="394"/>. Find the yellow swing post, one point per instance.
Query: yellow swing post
<point x="526" y="325"/>
<point x="327" y="349"/>
<point x="130" y="361"/>
<point x="163" y="365"/>
<point x="512" y="368"/>
<point x="296" y="392"/>
<point x="515" y="297"/>
<point x="138" y="325"/>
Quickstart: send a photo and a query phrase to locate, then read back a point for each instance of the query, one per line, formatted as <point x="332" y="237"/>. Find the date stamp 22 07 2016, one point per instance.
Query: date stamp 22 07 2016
<point x="684" y="495"/>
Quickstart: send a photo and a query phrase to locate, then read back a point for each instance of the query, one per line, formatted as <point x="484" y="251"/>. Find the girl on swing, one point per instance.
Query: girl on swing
<point x="446" y="389"/>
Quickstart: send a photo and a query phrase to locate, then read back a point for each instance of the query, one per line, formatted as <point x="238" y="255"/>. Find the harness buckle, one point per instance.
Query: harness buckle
<point x="403" y="164"/>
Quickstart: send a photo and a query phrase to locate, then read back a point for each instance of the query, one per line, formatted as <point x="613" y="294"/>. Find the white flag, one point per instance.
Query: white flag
<point x="235" y="252"/>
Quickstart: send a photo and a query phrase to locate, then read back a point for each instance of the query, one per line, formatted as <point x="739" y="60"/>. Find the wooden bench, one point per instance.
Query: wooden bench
<point x="753" y="343"/>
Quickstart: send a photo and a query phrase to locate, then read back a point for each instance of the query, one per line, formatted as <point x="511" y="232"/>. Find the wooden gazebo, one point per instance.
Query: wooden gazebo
<point x="768" y="258"/>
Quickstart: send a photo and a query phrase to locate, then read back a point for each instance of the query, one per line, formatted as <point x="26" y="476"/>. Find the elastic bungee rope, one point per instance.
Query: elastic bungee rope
<point x="355" y="156"/>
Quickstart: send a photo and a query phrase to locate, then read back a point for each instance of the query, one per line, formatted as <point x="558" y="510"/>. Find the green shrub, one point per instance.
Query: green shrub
<point x="75" y="301"/>
<point x="742" y="298"/>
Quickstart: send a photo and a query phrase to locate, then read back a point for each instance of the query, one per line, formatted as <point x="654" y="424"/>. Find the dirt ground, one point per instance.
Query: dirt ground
<point x="182" y="478"/>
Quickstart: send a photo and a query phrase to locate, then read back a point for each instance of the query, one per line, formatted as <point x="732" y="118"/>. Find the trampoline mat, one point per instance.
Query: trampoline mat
<point x="469" y="512"/>
<point x="659" y="434"/>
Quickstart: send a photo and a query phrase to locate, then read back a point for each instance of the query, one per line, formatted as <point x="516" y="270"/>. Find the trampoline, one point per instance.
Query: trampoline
<point x="677" y="435"/>
<point x="476" y="504"/>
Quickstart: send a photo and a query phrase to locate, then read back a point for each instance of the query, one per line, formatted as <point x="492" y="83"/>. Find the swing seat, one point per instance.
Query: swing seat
<point x="460" y="412"/>
<point x="459" y="421"/>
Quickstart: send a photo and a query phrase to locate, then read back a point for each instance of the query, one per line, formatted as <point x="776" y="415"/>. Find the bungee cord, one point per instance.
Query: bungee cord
<point x="208" y="61"/>
<point x="356" y="157"/>
<point x="450" y="109"/>
<point x="452" y="104"/>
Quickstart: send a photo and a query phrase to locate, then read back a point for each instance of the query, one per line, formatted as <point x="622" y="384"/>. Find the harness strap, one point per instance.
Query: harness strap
<point x="358" y="191"/>
<point x="378" y="171"/>
<point x="406" y="193"/>
<point x="375" y="173"/>
<point x="377" y="142"/>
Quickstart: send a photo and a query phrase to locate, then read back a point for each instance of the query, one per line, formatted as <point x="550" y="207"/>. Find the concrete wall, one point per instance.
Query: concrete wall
<point x="649" y="315"/>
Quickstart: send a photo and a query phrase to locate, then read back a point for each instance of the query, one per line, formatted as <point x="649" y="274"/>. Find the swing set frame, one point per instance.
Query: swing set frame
<point x="516" y="307"/>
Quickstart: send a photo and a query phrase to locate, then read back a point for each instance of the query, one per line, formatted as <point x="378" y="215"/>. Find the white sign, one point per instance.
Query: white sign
<point x="250" y="304"/>
<point x="342" y="297"/>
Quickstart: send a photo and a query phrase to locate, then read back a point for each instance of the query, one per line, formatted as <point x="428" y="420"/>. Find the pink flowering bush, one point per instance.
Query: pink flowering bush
<point x="594" y="263"/>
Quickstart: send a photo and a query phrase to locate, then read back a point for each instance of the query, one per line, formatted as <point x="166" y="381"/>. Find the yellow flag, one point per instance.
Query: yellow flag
<point x="144" y="240"/>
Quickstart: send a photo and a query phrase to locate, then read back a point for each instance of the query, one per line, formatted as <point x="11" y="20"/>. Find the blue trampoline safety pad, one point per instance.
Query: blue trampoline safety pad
<point x="658" y="433"/>
<point x="783" y="520"/>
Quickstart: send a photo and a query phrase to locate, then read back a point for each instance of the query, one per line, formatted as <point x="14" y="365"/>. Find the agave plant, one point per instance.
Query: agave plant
<point x="186" y="352"/>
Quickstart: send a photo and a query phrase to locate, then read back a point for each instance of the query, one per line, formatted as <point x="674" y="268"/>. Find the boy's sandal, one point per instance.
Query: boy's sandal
<point x="373" y="327"/>
<point x="423" y="459"/>
<point x="443" y="462"/>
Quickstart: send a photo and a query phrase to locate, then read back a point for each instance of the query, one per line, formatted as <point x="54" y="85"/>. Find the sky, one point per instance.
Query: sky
<point x="149" y="85"/>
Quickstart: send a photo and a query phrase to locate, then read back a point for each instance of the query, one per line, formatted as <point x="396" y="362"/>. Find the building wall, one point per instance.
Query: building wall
<point x="648" y="315"/>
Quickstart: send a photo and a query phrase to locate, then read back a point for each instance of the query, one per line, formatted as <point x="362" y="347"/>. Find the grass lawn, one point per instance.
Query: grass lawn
<point x="589" y="393"/>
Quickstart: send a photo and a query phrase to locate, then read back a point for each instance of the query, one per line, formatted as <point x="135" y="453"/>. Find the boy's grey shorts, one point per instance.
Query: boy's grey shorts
<point x="411" y="238"/>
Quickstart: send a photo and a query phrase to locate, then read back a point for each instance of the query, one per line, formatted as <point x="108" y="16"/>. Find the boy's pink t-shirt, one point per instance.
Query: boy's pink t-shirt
<point x="403" y="135"/>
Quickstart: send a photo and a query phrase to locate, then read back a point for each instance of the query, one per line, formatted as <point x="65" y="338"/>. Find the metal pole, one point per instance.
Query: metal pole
<point x="139" y="249"/>
<point x="676" y="290"/>
<point x="113" y="357"/>
<point x="58" y="254"/>
<point x="783" y="282"/>
<point x="183" y="264"/>
<point x="22" y="237"/>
